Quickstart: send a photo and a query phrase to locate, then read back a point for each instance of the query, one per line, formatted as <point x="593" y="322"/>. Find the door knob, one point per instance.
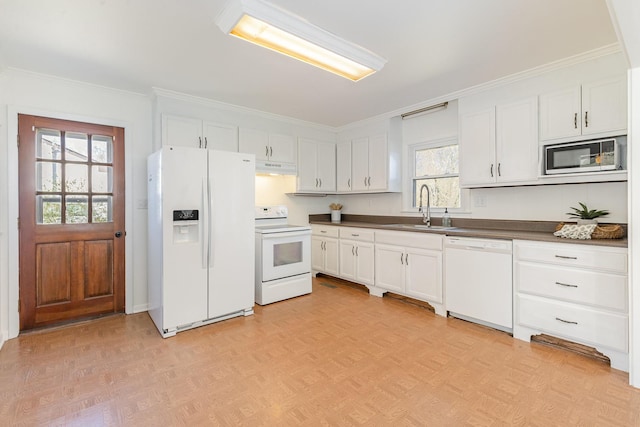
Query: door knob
<point x="118" y="234"/>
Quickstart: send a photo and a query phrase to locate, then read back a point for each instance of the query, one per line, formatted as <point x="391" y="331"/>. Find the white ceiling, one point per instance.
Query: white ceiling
<point x="433" y="47"/>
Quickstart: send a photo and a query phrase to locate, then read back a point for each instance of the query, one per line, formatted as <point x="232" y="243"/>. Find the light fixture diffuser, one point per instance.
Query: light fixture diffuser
<point x="272" y="27"/>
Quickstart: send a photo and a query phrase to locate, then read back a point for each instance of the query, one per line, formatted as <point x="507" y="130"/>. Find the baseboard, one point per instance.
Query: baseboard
<point x="140" y="308"/>
<point x="2" y="335"/>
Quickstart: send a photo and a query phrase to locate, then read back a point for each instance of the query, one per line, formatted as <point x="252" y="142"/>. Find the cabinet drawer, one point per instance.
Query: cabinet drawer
<point x="574" y="285"/>
<point x="602" y="258"/>
<point x="412" y="240"/>
<point x="361" y="234"/>
<point x="573" y="322"/>
<point x="324" y="230"/>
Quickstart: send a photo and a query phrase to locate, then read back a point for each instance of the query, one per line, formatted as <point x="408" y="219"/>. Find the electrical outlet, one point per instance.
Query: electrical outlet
<point x="479" y="201"/>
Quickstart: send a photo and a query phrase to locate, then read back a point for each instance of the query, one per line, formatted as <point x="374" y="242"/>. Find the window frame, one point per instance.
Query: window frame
<point x="410" y="177"/>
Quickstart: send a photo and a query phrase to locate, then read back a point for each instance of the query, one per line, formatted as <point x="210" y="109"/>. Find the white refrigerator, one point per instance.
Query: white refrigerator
<point x="201" y="237"/>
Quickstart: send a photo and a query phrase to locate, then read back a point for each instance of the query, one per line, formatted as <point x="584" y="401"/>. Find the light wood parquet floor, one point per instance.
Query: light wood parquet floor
<point x="337" y="357"/>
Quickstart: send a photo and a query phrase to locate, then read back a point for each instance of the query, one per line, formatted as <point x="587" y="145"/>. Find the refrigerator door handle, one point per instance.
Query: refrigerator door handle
<point x="204" y="232"/>
<point x="210" y="223"/>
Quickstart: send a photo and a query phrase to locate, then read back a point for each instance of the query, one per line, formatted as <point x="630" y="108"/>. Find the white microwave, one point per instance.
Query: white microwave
<point x="585" y="156"/>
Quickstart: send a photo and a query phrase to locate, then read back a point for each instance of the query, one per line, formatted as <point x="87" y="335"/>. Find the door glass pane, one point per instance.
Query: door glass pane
<point x="48" y="176"/>
<point x="48" y="209"/>
<point x="76" y="146"/>
<point x="102" y="208"/>
<point x="101" y="179"/>
<point x="101" y="149"/>
<point x="287" y="253"/>
<point x="76" y="178"/>
<point x="48" y="144"/>
<point x="77" y="209"/>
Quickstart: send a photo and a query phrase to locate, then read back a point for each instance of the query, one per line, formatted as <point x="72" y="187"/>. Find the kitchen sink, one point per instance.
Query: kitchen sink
<point x="422" y="227"/>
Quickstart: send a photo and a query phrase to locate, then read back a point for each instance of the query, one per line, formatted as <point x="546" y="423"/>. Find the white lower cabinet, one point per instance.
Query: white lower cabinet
<point x="574" y="292"/>
<point x="356" y="255"/>
<point x="410" y="264"/>
<point x="324" y="249"/>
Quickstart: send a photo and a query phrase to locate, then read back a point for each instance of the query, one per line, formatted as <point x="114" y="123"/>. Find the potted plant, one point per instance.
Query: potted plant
<point x="585" y="215"/>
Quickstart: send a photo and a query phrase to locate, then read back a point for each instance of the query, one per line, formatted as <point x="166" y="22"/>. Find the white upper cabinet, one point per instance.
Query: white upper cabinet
<point x="274" y="152"/>
<point x="316" y="166"/>
<point x="192" y="132"/>
<point x="517" y="141"/>
<point x="477" y="139"/>
<point x="499" y="145"/>
<point x="268" y="146"/>
<point x="597" y="108"/>
<point x="343" y="166"/>
<point x="369" y="164"/>
<point x="282" y="148"/>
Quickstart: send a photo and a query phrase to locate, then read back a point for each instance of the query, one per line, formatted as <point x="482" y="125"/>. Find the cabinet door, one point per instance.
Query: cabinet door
<point x="360" y="164"/>
<point x="331" y="257"/>
<point x="220" y="137"/>
<point x="365" y="263"/>
<point x="317" y="254"/>
<point x="378" y="162"/>
<point x="343" y="166"/>
<point x="477" y="147"/>
<point x="517" y="141"/>
<point x="282" y="148"/>
<point x="560" y="114"/>
<point x="604" y="106"/>
<point x="254" y="141"/>
<point x="389" y="267"/>
<point x="424" y="274"/>
<point x="307" y="160"/>
<point x="181" y="131"/>
<point x="325" y="166"/>
<point x="347" y="259"/>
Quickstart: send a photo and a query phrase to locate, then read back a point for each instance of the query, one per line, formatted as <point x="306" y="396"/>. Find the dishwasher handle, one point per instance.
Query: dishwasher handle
<point x="490" y="245"/>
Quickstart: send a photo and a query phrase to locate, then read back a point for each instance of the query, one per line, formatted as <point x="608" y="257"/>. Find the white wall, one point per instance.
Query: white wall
<point x="30" y="93"/>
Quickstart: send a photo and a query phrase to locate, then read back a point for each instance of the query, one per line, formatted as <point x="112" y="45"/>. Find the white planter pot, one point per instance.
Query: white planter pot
<point x="587" y="221"/>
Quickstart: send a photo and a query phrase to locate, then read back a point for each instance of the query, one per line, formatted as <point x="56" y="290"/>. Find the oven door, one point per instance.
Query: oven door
<point x="285" y="254"/>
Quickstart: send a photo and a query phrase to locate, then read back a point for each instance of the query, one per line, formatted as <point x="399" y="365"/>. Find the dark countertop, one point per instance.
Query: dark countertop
<point x="541" y="231"/>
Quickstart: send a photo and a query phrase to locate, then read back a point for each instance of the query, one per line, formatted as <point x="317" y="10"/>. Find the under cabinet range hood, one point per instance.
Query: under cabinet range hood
<point x="275" y="168"/>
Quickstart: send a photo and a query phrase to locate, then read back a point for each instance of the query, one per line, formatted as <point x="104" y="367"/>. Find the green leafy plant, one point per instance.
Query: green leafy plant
<point x="585" y="213"/>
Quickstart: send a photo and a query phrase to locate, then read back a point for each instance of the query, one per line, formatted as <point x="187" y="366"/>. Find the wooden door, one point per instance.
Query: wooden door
<point x="71" y="181"/>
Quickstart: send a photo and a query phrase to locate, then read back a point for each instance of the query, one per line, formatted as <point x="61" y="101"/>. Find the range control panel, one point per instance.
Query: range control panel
<point x="267" y="212"/>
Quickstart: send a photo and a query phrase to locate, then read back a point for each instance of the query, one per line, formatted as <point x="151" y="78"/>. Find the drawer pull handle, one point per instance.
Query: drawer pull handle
<point x="566" y="321"/>
<point x="355" y="235"/>
<point x="566" y="285"/>
<point x="323" y="231"/>
<point x="566" y="257"/>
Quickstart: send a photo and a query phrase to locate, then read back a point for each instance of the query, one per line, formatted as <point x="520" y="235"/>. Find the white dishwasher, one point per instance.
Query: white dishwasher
<point x="478" y="281"/>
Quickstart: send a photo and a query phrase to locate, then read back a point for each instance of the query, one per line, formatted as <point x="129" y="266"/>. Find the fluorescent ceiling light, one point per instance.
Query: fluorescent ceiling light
<point x="277" y="29"/>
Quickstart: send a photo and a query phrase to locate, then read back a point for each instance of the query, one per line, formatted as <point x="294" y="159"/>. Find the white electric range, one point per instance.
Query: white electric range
<point x="283" y="256"/>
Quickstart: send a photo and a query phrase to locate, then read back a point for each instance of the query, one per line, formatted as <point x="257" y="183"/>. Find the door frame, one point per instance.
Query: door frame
<point x="13" y="210"/>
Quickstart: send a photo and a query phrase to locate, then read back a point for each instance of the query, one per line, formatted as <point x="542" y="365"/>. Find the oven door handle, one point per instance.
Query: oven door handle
<point x="285" y="234"/>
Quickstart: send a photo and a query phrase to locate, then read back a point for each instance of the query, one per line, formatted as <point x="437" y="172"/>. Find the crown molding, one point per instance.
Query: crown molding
<point x="8" y="71"/>
<point x="212" y="103"/>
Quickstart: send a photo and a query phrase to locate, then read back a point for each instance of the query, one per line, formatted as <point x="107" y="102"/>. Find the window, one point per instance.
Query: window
<point x="436" y="165"/>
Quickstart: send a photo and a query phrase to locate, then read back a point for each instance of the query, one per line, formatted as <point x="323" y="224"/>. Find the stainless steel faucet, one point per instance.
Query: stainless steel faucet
<point x="426" y="214"/>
